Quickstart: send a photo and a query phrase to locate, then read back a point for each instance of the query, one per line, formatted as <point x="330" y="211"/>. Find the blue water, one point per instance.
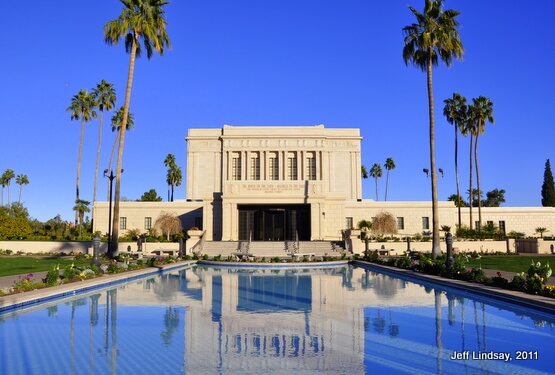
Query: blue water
<point x="336" y="320"/>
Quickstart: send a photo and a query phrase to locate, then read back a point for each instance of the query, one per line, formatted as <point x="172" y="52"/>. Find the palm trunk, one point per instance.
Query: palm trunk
<point x="376" y="189"/>
<point x="470" y="183"/>
<point x="386" y="184"/>
<point x="436" y="248"/>
<point x="110" y="162"/>
<point x="457" y="173"/>
<point x="79" y="155"/>
<point x="478" y="181"/>
<point x="97" y="163"/>
<point x="115" y="219"/>
<point x="20" y="191"/>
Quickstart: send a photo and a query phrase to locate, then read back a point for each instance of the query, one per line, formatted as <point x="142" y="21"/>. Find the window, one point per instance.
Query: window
<point x="255" y="168"/>
<point x="349" y="222"/>
<point x="148" y="223"/>
<point x="400" y="223"/>
<point x="310" y="167"/>
<point x="122" y="223"/>
<point x="236" y="167"/>
<point x="274" y="168"/>
<point x="292" y="168"/>
<point x="425" y="223"/>
<point x="477" y="225"/>
<point x="502" y="226"/>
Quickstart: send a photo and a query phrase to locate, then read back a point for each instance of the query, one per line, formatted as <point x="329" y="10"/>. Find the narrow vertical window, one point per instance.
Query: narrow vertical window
<point x="255" y="168"/>
<point x="349" y="222"/>
<point x="401" y="223"/>
<point x="148" y="223"/>
<point x="236" y="167"/>
<point x="122" y="223"/>
<point x="292" y="168"/>
<point x="273" y="167"/>
<point x="310" y="167"/>
<point x="426" y="223"/>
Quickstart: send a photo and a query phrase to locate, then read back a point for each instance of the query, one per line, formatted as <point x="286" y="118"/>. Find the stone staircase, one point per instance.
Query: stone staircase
<point x="270" y="249"/>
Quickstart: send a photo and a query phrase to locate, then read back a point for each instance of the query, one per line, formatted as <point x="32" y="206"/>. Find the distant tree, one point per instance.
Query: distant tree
<point x="21" y="180"/>
<point x="173" y="175"/>
<point x="140" y="21"/>
<point x="433" y="37"/>
<point x="3" y="183"/>
<point x="81" y="108"/>
<point x="7" y="176"/>
<point x="541" y="231"/>
<point x="476" y="195"/>
<point x="389" y="165"/>
<point x="384" y="223"/>
<point x="365" y="226"/>
<point x="494" y="198"/>
<point x="150" y="196"/>
<point x="456" y="112"/>
<point x="480" y="112"/>
<point x="376" y="172"/>
<point x="169" y="224"/>
<point x="548" y="187"/>
<point x="455" y="198"/>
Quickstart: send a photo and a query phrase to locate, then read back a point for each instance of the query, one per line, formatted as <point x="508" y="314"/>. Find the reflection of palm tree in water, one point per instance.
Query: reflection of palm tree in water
<point x="171" y="322"/>
<point x="393" y="328"/>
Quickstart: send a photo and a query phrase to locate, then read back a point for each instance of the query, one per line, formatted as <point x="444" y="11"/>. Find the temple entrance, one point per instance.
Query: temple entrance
<point x="274" y="222"/>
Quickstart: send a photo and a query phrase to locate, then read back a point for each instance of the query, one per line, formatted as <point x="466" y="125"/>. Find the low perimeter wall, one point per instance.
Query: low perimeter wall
<point x="488" y="246"/>
<point x="38" y="247"/>
<point x="395" y="248"/>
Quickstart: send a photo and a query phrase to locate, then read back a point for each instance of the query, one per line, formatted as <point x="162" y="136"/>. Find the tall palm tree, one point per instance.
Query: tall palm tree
<point x="434" y="36"/>
<point x="105" y="96"/>
<point x="3" y="183"/>
<point x="389" y="165"/>
<point x="21" y="180"/>
<point x="363" y="171"/>
<point x="173" y="176"/>
<point x="7" y="176"/>
<point x="82" y="108"/>
<point x="481" y="111"/>
<point x="376" y="172"/>
<point x="140" y="20"/>
<point x="456" y="111"/>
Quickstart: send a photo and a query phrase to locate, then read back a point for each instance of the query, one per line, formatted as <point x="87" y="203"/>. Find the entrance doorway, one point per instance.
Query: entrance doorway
<point x="274" y="223"/>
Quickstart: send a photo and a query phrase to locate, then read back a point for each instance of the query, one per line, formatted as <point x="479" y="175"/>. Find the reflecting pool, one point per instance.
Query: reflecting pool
<point x="224" y="320"/>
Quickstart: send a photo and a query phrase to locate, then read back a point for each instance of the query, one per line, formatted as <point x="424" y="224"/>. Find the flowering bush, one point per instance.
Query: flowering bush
<point x="537" y="277"/>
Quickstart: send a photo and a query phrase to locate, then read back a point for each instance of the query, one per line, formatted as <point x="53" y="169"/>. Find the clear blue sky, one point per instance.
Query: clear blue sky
<point x="287" y="62"/>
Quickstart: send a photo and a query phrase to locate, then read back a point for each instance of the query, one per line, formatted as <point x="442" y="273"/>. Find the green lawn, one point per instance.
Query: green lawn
<point x="510" y="263"/>
<point x="16" y="265"/>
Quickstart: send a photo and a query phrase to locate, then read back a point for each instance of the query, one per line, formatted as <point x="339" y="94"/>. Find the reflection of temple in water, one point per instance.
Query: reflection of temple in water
<point x="276" y="318"/>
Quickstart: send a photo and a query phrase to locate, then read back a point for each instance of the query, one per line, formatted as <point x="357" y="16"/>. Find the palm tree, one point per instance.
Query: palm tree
<point x="116" y="124"/>
<point x="376" y="172"/>
<point x="82" y="107"/>
<point x="389" y="165"/>
<point x="21" y="180"/>
<point x="364" y="171"/>
<point x="7" y="176"/>
<point x="456" y="112"/>
<point x="173" y="176"/>
<point x="140" y="20"/>
<point x="105" y="96"/>
<point x="481" y="111"/>
<point x="434" y="36"/>
<point x="3" y="183"/>
<point x="81" y="206"/>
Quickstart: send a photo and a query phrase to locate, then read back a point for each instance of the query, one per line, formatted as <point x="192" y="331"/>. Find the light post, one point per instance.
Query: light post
<point x="111" y="178"/>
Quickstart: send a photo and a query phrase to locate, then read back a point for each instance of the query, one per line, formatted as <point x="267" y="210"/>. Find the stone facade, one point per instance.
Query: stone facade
<point x="289" y="183"/>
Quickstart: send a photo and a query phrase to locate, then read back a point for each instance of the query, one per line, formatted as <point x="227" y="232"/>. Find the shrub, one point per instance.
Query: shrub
<point x="52" y="276"/>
